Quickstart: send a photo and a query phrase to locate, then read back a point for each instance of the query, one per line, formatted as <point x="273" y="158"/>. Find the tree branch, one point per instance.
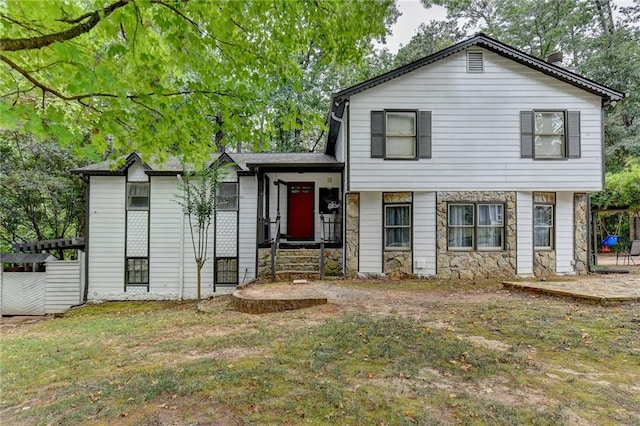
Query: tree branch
<point x="91" y="20"/>
<point x="64" y="97"/>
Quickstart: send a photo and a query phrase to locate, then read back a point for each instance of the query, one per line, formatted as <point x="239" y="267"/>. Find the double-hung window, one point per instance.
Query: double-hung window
<point x="490" y="226"/>
<point x="137" y="271"/>
<point x="227" y="196"/>
<point x="461" y="226"/>
<point x="475" y="226"/>
<point x="543" y="226"/>
<point x="549" y="134"/>
<point x="400" y="135"/>
<point x="226" y="270"/>
<point x="397" y="226"/>
<point x="138" y="196"/>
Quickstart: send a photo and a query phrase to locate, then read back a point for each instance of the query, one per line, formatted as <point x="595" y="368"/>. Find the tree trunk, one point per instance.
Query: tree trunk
<point x="198" y="279"/>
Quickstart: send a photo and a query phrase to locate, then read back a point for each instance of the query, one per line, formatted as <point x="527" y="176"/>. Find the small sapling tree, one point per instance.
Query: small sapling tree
<point x="197" y="198"/>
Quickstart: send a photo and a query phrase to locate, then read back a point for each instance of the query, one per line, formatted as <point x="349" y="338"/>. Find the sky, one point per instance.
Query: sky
<point x="413" y="14"/>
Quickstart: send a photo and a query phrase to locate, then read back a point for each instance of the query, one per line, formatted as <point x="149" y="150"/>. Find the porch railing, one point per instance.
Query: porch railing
<point x="330" y="232"/>
<point x="331" y="229"/>
<point x="275" y="242"/>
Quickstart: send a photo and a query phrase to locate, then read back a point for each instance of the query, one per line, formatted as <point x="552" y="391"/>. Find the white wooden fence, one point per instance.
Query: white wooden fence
<point x="40" y="293"/>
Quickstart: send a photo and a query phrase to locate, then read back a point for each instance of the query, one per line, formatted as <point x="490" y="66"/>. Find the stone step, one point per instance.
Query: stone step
<point x="300" y="259"/>
<point x="297" y="267"/>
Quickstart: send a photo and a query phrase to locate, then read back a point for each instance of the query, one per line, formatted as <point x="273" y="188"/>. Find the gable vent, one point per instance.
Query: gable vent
<point x="475" y="62"/>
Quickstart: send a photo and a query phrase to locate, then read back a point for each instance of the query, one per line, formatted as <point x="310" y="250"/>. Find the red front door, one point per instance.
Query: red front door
<point x="300" y="211"/>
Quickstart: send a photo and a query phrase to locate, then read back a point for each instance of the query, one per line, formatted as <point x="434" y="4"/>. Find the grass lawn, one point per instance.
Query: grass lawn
<point x="459" y="356"/>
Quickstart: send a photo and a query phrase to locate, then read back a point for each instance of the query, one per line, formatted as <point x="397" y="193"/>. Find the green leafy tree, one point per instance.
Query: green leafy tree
<point x="429" y="38"/>
<point x="623" y="192"/>
<point x="164" y="76"/>
<point x="39" y="198"/>
<point x="198" y="201"/>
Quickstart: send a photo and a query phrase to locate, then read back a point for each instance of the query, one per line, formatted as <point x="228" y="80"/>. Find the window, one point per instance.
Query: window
<point x="397" y="227"/>
<point x="137" y="271"/>
<point x="479" y="227"/>
<point x="461" y="220"/>
<point x="227" y="196"/>
<point x="490" y="226"/>
<point x="549" y="134"/>
<point x="542" y="226"/>
<point x="400" y="135"/>
<point x="226" y="270"/>
<point x="138" y="196"/>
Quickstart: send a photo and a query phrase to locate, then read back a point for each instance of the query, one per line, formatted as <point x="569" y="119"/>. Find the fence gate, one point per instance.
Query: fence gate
<point x="23" y="293"/>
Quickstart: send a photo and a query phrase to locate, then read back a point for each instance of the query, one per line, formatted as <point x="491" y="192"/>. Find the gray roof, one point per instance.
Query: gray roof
<point x="244" y="161"/>
<point x="25" y="257"/>
<point x="486" y="42"/>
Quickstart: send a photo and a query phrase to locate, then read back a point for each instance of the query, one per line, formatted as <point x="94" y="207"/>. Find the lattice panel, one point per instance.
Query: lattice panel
<point x="137" y="233"/>
<point x="226" y="234"/>
<point x="136" y="173"/>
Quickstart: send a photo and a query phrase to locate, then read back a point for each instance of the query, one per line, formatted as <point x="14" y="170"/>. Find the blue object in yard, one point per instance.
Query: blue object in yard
<point x="611" y="240"/>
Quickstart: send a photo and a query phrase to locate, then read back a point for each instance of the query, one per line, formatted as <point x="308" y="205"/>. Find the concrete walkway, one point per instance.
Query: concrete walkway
<point x="595" y="288"/>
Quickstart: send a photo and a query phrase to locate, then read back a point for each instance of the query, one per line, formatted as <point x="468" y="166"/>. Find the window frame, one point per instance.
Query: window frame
<point x="550" y="228"/>
<point x="226" y="272"/>
<point x="144" y="272"/>
<point x="563" y="149"/>
<point x="130" y="196"/>
<point x="387" y="227"/>
<point x="414" y="136"/>
<point x="475" y="226"/>
<point x="501" y="227"/>
<point x="234" y="197"/>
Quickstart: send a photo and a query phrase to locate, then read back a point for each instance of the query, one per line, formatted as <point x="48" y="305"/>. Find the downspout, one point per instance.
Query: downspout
<point x="85" y="296"/>
<point x="181" y="267"/>
<point x="344" y="189"/>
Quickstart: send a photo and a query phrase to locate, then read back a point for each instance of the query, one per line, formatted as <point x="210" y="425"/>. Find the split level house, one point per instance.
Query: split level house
<point x="476" y="161"/>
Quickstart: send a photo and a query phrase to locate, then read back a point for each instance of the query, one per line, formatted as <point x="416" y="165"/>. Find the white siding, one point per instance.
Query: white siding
<point x="106" y="234"/>
<point x="165" y="237"/>
<point x="63" y="285"/>
<point x="524" y="233"/>
<point x="247" y="239"/>
<point x="320" y="180"/>
<point x="564" y="233"/>
<point x="370" y="232"/>
<point x="424" y="232"/>
<point x="475" y="130"/>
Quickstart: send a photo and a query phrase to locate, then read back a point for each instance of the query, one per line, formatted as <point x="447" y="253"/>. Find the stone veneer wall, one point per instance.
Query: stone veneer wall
<point x="544" y="261"/>
<point x="580" y="220"/>
<point x="397" y="263"/>
<point x="352" y="237"/>
<point x="476" y="264"/>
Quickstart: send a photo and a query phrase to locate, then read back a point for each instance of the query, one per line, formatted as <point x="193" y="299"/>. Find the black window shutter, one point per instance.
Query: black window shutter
<point x="424" y="134"/>
<point x="377" y="134"/>
<point x="526" y="134"/>
<point x="573" y="134"/>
